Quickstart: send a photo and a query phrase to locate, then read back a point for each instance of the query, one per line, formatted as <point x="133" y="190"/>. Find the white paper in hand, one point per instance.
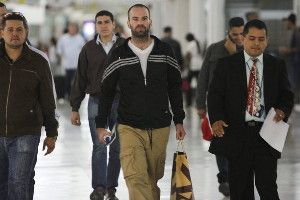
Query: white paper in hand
<point x="274" y="133"/>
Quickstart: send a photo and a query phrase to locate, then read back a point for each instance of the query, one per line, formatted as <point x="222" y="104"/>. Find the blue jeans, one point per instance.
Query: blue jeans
<point x="104" y="175"/>
<point x="222" y="163"/>
<point x="17" y="161"/>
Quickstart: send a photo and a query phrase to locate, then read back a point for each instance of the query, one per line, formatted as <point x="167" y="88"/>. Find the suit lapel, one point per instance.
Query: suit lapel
<point x="240" y="68"/>
<point x="267" y="77"/>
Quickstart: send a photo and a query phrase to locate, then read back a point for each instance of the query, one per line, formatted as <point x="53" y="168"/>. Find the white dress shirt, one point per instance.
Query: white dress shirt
<point x="107" y="46"/>
<point x="260" y="67"/>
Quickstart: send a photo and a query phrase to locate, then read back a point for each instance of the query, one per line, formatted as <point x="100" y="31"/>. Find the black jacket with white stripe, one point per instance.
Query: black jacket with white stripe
<point x="144" y="101"/>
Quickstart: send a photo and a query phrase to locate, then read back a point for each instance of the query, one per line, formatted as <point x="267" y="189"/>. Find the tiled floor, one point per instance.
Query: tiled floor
<point x="66" y="174"/>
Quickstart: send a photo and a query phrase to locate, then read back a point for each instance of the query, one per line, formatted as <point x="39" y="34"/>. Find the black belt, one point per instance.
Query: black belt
<point x="253" y="123"/>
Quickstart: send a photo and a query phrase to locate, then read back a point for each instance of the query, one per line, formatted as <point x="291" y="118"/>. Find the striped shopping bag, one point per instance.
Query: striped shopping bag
<point x="181" y="183"/>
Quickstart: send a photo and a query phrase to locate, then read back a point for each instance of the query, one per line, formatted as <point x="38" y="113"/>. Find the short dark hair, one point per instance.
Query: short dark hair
<point x="292" y="18"/>
<point x="138" y="5"/>
<point x="256" y="23"/>
<point x="14" y="16"/>
<point x="2" y="5"/>
<point x="105" y="13"/>
<point x="236" y="22"/>
<point x="189" y="37"/>
<point x="168" y="29"/>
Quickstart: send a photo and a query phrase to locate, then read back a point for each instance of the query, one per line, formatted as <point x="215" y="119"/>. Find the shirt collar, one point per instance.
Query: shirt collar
<point x="113" y="40"/>
<point x="248" y="57"/>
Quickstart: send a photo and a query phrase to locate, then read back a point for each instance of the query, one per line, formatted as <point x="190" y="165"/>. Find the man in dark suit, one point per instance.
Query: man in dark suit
<point x="244" y="88"/>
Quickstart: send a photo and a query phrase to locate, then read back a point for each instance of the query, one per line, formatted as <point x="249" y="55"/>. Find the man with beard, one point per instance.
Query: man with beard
<point x="26" y="104"/>
<point x="231" y="44"/>
<point x="148" y="76"/>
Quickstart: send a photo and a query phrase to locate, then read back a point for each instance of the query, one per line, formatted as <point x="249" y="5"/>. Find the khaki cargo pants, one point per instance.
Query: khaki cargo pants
<point x="142" y="164"/>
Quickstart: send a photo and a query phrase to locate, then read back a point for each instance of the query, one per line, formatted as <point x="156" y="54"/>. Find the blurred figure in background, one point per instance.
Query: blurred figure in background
<point x="251" y="15"/>
<point x="120" y="31"/>
<point x="194" y="61"/>
<point x="174" y="44"/>
<point x="56" y="69"/>
<point x="68" y="48"/>
<point x="2" y="11"/>
<point x="293" y="52"/>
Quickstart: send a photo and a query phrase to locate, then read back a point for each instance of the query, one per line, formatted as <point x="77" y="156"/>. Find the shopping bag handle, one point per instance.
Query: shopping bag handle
<point x="180" y="144"/>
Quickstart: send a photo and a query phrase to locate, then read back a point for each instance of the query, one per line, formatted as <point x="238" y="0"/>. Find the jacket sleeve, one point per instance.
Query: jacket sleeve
<point x="203" y="81"/>
<point x="216" y="93"/>
<point x="80" y="82"/>
<point x="108" y="90"/>
<point x="180" y="57"/>
<point x="174" y="88"/>
<point x="286" y="96"/>
<point x="47" y="101"/>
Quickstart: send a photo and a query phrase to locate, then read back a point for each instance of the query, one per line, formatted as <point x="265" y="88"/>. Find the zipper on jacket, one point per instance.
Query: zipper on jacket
<point x="7" y="98"/>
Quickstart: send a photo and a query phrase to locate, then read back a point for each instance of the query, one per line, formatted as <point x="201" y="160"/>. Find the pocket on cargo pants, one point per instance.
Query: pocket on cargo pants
<point x="127" y="162"/>
<point x="160" y="166"/>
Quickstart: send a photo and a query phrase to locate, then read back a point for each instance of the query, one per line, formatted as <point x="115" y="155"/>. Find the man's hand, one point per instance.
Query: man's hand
<point x="279" y="115"/>
<point x="230" y="46"/>
<point x="75" y="118"/>
<point x="201" y="112"/>
<point x="180" y="132"/>
<point x="217" y="128"/>
<point x="49" y="142"/>
<point x="102" y="132"/>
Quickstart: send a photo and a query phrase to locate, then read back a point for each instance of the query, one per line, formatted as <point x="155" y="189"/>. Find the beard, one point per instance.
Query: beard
<point x="140" y="32"/>
<point x="15" y="46"/>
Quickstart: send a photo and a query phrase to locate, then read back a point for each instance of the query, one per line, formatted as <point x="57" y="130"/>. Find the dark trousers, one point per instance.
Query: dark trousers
<point x="59" y="86"/>
<point x="190" y="92"/>
<point x="254" y="159"/>
<point x="222" y="163"/>
<point x="70" y="73"/>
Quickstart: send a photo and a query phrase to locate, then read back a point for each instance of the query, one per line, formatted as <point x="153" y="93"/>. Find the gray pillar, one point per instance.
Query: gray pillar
<point x="215" y="20"/>
<point x="296" y="6"/>
<point x="156" y="16"/>
<point x="197" y="19"/>
<point x="175" y="13"/>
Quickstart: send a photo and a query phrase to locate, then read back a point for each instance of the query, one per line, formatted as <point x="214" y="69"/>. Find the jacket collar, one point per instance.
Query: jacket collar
<point x="25" y="51"/>
<point x="157" y="42"/>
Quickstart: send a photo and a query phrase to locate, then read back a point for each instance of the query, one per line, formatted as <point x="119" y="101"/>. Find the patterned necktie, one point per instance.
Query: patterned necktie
<point x="254" y="92"/>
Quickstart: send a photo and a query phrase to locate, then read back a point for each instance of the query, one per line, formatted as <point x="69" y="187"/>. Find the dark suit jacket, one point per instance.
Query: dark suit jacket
<point x="227" y="99"/>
